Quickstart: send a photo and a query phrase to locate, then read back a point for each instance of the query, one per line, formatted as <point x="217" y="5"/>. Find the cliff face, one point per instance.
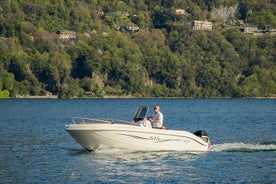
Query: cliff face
<point x="224" y="13"/>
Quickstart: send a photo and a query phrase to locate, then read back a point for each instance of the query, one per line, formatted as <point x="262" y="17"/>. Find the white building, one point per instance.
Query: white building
<point x="66" y="34"/>
<point x="202" y="25"/>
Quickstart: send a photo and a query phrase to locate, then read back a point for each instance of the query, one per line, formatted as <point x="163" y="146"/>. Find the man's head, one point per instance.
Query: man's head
<point x="156" y="109"/>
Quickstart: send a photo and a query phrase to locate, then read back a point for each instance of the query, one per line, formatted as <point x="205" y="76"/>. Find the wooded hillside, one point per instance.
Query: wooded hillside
<point x="140" y="48"/>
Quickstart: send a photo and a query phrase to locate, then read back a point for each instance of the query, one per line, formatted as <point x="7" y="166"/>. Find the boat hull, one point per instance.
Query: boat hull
<point x="94" y="136"/>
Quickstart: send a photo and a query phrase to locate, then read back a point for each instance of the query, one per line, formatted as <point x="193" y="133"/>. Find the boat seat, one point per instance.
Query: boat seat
<point x="163" y="127"/>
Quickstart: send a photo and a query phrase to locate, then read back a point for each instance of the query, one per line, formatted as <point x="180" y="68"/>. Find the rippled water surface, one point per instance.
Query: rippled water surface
<point x="34" y="148"/>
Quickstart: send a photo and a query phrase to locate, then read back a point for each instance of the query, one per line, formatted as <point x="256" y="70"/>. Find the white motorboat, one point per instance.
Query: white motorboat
<point x="97" y="133"/>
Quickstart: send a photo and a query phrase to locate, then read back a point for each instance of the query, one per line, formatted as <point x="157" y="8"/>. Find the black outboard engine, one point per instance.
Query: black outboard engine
<point x="201" y="133"/>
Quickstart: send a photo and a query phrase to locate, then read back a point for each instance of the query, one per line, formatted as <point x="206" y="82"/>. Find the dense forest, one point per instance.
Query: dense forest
<point x="138" y="48"/>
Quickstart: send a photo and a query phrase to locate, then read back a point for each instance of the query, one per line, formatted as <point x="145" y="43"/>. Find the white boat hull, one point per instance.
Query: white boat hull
<point x="93" y="136"/>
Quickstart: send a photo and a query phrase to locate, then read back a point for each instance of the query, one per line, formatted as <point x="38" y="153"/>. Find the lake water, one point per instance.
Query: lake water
<point x="34" y="148"/>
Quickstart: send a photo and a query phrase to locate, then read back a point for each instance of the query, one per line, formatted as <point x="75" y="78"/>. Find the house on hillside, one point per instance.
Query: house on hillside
<point x="181" y="12"/>
<point x="66" y="34"/>
<point x="240" y="23"/>
<point x="132" y="28"/>
<point x="129" y="28"/>
<point x="248" y="29"/>
<point x="202" y="25"/>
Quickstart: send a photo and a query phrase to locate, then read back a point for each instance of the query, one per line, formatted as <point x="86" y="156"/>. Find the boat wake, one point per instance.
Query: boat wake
<point x="243" y="147"/>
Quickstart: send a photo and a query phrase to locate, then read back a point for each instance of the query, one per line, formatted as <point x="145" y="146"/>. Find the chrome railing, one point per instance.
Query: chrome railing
<point x="82" y="120"/>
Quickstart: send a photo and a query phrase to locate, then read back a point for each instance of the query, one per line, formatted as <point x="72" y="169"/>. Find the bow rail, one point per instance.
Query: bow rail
<point x="83" y="120"/>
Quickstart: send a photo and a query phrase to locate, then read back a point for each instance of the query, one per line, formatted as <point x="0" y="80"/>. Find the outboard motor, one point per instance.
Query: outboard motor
<point x="203" y="135"/>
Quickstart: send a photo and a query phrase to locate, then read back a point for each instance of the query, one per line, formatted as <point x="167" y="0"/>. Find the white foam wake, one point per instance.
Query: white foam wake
<point x="243" y="147"/>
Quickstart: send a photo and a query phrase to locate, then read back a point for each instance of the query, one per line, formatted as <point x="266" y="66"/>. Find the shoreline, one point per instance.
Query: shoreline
<point x="130" y="97"/>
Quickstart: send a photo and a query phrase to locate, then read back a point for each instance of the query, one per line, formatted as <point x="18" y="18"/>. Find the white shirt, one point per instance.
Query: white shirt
<point x="158" y="116"/>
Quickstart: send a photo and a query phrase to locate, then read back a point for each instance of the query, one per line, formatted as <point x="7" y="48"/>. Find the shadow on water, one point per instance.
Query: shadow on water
<point x="122" y="151"/>
<point x="110" y="155"/>
<point x="76" y="152"/>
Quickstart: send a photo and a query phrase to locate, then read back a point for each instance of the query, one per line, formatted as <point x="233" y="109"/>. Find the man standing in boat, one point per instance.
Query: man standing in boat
<point x="157" y="118"/>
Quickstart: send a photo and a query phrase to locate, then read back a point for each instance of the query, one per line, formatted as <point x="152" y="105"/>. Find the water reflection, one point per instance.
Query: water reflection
<point x="111" y="164"/>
